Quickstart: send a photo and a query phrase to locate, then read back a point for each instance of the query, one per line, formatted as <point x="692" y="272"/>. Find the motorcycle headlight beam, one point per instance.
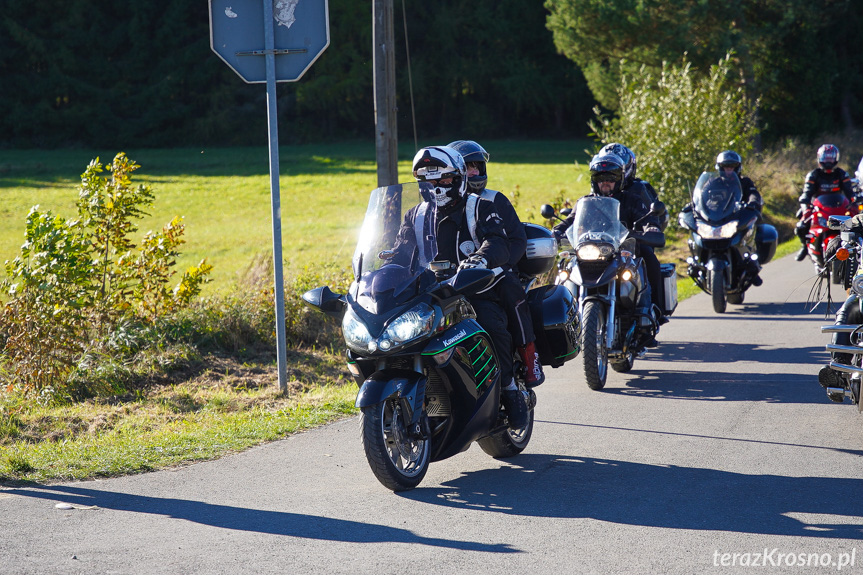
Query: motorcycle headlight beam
<point x="723" y="232"/>
<point x="594" y="252"/>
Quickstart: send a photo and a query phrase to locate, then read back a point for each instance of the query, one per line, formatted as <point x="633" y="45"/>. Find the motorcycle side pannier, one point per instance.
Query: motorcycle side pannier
<point x="541" y="250"/>
<point x="669" y="286"/>
<point x="554" y="312"/>
<point x="766" y="238"/>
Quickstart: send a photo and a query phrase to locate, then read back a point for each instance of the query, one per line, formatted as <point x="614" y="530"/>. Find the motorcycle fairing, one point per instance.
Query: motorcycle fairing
<point x="717" y="196"/>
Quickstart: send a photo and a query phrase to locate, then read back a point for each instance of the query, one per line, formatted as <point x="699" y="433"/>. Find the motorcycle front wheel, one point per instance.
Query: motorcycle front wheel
<point x="398" y="461"/>
<point x="594" y="351"/>
<point x="717" y="291"/>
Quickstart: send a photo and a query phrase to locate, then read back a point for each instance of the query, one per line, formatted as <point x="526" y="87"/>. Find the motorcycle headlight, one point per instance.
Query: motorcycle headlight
<point x="416" y="322"/>
<point x="355" y="331"/>
<point x="725" y="231"/>
<point x="593" y="252"/>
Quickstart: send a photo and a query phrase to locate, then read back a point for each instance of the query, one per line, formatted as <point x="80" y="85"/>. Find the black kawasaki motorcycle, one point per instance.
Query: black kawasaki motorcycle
<point x="726" y="241"/>
<point x="606" y="277"/>
<point x="428" y="375"/>
<point x="842" y="376"/>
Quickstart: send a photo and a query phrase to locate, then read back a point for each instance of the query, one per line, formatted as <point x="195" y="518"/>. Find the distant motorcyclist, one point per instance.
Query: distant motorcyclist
<point x="606" y="179"/>
<point x="509" y="289"/>
<point x="447" y="207"/>
<point x="650" y="198"/>
<point x="827" y="178"/>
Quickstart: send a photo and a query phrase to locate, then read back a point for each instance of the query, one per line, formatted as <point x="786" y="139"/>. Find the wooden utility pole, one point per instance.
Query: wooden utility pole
<point x="386" y="136"/>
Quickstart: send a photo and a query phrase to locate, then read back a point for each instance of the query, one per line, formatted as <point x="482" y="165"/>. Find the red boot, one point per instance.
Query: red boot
<point x="532" y="367"/>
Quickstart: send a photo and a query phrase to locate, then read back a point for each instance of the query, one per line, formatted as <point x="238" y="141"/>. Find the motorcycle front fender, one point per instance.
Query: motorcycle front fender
<point x="719" y="265"/>
<point x="382" y="385"/>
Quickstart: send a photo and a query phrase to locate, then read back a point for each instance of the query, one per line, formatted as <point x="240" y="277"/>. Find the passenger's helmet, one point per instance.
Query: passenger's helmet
<point x="729" y="159"/>
<point x="437" y="163"/>
<point x="828" y="156"/>
<point x="606" y="168"/>
<point x="473" y="152"/>
<point x="624" y="154"/>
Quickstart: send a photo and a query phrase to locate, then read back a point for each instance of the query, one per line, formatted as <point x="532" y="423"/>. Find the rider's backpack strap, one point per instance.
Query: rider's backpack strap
<point x="419" y="230"/>
<point x="471" y="214"/>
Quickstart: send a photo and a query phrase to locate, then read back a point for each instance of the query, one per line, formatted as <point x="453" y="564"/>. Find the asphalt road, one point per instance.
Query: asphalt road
<point x="718" y="450"/>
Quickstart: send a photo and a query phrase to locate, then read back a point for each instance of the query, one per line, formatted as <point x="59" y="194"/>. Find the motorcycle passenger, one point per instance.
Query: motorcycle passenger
<point x="445" y="169"/>
<point x="508" y="289"/>
<point x="651" y="199"/>
<point x="606" y="179"/>
<point x="826" y="178"/>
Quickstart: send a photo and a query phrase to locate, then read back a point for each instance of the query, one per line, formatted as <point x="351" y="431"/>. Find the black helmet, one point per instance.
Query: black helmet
<point x="628" y="158"/>
<point x="729" y="159"/>
<point x="473" y="152"/>
<point x="606" y="168"/>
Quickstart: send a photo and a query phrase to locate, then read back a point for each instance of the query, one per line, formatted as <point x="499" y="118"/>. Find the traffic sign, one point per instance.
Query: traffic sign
<point x="301" y="34"/>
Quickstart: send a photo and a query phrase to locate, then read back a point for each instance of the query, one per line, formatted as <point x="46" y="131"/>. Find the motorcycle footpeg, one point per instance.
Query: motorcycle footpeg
<point x="836" y="394"/>
<point x="530" y="399"/>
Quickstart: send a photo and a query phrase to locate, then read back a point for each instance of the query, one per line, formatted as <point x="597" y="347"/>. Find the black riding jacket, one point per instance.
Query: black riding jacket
<point x="820" y="182"/>
<point x="515" y="236"/>
<point x="454" y="242"/>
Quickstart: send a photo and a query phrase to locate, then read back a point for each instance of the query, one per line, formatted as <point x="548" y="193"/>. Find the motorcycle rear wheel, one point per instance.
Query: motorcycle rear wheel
<point x="594" y="351"/>
<point x="837" y="270"/>
<point x="717" y="291"/>
<point x="508" y="442"/>
<point x="397" y="460"/>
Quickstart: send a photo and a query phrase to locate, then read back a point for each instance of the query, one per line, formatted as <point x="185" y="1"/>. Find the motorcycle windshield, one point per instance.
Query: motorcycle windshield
<point x="386" y="268"/>
<point x="831" y="201"/>
<point x="597" y="219"/>
<point x="717" y="195"/>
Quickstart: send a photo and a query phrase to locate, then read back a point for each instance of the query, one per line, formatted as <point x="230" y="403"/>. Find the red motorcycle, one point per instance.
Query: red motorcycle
<point x="819" y="235"/>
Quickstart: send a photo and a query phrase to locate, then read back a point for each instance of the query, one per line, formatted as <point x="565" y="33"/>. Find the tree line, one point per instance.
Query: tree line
<point x="141" y="73"/>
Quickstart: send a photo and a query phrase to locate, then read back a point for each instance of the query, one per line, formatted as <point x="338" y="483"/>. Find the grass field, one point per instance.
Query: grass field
<point x="224" y="194"/>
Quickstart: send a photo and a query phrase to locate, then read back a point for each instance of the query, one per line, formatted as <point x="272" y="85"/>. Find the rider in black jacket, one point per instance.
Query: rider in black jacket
<point x="606" y="179"/>
<point x="825" y="179"/>
<point x="509" y="289"/>
<point x="446" y="207"/>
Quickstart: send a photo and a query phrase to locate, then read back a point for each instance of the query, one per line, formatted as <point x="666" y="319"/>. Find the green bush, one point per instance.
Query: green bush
<point x="678" y="122"/>
<point x="76" y="283"/>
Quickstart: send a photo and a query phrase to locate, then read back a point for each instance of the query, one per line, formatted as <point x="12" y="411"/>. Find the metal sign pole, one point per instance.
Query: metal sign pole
<point x="273" y="130"/>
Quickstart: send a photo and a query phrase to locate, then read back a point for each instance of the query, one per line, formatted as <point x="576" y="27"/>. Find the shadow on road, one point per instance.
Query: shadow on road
<point x="721" y="386"/>
<point x="253" y="520"/>
<point x="668" y="496"/>
<point x="710" y="352"/>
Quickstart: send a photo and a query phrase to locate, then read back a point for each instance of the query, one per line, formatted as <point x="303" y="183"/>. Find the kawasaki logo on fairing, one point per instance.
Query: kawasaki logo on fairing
<point x="455" y="338"/>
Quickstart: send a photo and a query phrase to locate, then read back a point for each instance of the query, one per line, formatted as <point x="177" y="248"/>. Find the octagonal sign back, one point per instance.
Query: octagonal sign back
<point x="301" y="32"/>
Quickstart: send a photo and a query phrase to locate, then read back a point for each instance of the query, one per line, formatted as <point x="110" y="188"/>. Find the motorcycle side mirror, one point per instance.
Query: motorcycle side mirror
<point x="656" y="208"/>
<point x="547" y="211"/>
<point x="327" y="301"/>
<point x="835" y="222"/>
<point x="565" y="211"/>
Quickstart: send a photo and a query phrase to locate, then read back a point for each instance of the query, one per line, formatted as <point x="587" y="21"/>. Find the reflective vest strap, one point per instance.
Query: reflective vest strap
<point x="419" y="231"/>
<point x="470" y="213"/>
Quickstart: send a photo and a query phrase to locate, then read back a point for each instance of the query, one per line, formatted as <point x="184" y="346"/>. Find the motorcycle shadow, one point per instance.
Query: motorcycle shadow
<point x="711" y="352"/>
<point x="665" y="496"/>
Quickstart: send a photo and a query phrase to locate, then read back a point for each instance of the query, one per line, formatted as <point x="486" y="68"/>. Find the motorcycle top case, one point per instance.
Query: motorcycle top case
<point x="555" y="321"/>
<point x="541" y="250"/>
<point x="766" y="239"/>
<point x="669" y="285"/>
